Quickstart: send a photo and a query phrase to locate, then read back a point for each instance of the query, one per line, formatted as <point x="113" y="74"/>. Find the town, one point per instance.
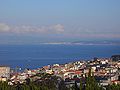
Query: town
<point x="106" y="71"/>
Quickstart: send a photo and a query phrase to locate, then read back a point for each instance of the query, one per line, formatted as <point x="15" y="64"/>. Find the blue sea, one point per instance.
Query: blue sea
<point x="35" y="56"/>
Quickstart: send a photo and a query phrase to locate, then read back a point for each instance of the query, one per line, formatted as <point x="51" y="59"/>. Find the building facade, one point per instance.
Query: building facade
<point x="4" y="72"/>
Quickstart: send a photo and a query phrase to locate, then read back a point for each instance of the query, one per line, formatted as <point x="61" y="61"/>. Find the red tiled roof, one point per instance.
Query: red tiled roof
<point x="78" y="72"/>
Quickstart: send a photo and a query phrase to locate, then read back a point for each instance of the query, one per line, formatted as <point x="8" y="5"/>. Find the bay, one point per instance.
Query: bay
<point x="35" y="56"/>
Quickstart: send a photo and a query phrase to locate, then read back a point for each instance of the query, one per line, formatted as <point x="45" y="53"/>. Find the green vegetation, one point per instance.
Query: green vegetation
<point x="31" y="86"/>
<point x="113" y="87"/>
<point x="91" y="83"/>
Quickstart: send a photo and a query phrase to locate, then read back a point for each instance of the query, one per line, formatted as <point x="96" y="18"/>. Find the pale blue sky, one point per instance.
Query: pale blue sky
<point x="34" y="21"/>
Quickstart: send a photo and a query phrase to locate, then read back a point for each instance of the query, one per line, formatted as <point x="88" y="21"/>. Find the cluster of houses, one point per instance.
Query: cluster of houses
<point x="105" y="70"/>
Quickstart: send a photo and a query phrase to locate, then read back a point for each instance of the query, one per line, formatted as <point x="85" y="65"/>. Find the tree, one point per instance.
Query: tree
<point x="76" y="86"/>
<point x="81" y="86"/>
<point x="91" y="83"/>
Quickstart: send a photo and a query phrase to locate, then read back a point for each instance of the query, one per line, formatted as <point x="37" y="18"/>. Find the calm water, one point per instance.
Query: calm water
<point x="34" y="56"/>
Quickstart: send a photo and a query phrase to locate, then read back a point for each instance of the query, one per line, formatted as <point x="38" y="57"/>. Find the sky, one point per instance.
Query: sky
<point x="36" y="21"/>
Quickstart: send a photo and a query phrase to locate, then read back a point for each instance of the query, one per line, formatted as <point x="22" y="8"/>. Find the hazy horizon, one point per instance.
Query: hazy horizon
<point x="34" y="22"/>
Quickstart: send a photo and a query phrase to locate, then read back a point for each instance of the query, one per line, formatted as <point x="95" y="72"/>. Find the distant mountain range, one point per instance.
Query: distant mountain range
<point x="87" y="43"/>
<point x="98" y="42"/>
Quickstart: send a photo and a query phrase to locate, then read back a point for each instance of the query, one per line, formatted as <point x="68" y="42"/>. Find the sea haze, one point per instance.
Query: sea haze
<point x="35" y="56"/>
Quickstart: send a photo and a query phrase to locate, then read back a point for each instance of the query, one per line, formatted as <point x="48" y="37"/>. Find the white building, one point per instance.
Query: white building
<point x="5" y="72"/>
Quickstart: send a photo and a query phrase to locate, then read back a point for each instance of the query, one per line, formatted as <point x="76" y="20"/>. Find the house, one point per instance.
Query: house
<point x="4" y="72"/>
